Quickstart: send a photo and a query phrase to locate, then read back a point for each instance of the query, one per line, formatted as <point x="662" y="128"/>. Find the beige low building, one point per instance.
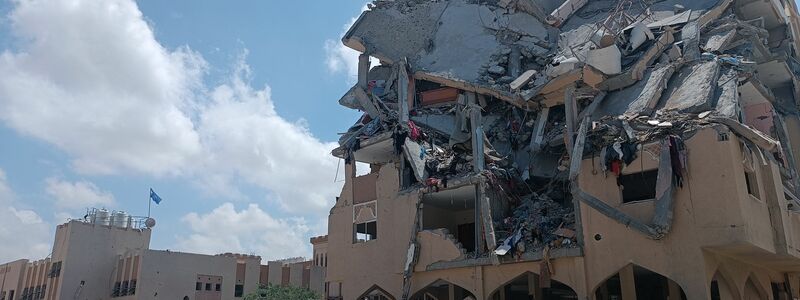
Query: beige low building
<point x="101" y="259"/>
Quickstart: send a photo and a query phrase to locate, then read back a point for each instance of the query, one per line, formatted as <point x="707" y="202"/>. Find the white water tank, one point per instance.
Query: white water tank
<point x="102" y="217"/>
<point x="120" y="219"/>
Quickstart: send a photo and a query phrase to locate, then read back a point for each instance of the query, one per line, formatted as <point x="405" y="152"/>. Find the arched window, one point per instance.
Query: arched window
<point x="527" y="286"/>
<point x="636" y="281"/>
<point x="440" y="290"/>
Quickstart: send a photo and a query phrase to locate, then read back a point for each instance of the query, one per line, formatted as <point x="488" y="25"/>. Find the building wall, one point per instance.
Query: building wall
<point x="90" y="255"/>
<point x="717" y="228"/>
<point x="173" y="275"/>
<point x="11" y="277"/>
<point x="358" y="266"/>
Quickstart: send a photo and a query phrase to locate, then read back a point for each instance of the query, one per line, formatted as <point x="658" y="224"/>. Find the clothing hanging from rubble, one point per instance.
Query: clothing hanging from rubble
<point x="678" y="156"/>
<point x="617" y="155"/>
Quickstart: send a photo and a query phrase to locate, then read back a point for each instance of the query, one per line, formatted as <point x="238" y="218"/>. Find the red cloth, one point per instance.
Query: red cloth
<point x="413" y="131"/>
<point x="616" y="167"/>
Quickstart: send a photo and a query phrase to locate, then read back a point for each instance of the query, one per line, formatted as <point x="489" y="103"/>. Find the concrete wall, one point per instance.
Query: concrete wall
<point x="172" y="275"/>
<point x="717" y="228"/>
<point x="90" y="253"/>
<point x="11" y="277"/>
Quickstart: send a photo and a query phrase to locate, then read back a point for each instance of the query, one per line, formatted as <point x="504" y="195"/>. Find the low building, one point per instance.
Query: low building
<point x="97" y="258"/>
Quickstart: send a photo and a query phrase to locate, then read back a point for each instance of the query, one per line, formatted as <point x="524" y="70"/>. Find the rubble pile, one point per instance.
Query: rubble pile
<point x="516" y="93"/>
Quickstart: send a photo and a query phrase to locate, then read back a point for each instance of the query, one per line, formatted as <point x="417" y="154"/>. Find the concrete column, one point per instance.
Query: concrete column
<point x="451" y="292"/>
<point x="502" y="293"/>
<point x="363" y="70"/>
<point x="627" y="282"/>
<point x="570" y="109"/>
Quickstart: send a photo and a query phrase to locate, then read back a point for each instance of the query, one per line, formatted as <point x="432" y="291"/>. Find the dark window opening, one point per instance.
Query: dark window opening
<point x="466" y="236"/>
<point x="715" y="290"/>
<point x="124" y="290"/>
<point x="407" y="177"/>
<point x="208" y="286"/>
<point x="752" y="183"/>
<point x="218" y="287"/>
<point x="132" y="288"/>
<point x="238" y="291"/>
<point x="115" y="291"/>
<point x="198" y="286"/>
<point x="366" y="231"/>
<point x="638" y="186"/>
<point x="55" y="270"/>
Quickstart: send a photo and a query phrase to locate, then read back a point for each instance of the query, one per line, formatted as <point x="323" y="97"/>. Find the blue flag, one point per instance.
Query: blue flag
<point x="154" y="197"/>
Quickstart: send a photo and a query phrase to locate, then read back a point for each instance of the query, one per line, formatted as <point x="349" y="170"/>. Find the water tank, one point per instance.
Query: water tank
<point x="120" y="219"/>
<point x="102" y="217"/>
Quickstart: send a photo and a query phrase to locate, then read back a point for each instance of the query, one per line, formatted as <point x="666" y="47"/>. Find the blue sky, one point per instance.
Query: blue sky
<point x="227" y="111"/>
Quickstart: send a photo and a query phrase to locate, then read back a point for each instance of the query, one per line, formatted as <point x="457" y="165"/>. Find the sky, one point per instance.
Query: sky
<point x="229" y="112"/>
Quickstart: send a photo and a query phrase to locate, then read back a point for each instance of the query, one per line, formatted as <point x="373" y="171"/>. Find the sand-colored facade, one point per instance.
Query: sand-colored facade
<point x="721" y="233"/>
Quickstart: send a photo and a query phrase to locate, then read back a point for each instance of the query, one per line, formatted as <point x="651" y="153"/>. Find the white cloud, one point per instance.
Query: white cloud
<point x="77" y="195"/>
<point x="90" y="78"/>
<point x="250" y="230"/>
<point x="341" y="59"/>
<point x="16" y="222"/>
<point x="247" y="138"/>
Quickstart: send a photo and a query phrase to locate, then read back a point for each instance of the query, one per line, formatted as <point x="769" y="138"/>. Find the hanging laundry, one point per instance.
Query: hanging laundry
<point x="413" y="131"/>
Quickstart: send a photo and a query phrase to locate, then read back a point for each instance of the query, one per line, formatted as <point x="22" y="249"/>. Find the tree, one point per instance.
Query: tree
<point x="276" y="292"/>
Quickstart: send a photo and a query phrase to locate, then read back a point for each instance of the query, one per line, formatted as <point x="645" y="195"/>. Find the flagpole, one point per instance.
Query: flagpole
<point x="148" y="206"/>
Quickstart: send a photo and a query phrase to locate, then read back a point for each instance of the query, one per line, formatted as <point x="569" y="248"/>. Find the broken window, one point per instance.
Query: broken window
<point x="365" y="222"/>
<point x="751" y="181"/>
<point x="638" y="186"/>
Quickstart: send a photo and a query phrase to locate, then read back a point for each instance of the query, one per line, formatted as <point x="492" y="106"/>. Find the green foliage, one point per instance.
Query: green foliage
<point x="276" y="292"/>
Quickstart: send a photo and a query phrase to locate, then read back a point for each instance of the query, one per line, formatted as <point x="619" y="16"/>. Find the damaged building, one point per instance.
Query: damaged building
<point x="550" y="149"/>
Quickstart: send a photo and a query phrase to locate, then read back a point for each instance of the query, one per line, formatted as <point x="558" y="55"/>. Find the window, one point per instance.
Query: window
<point x="366" y="231"/>
<point x="55" y="270"/>
<point x="123" y="291"/>
<point x="2" y="295"/>
<point x="218" y="287"/>
<point x="208" y="286"/>
<point x="365" y="222"/>
<point x="238" y="291"/>
<point x="132" y="288"/>
<point x="638" y="186"/>
<point x="198" y="286"/>
<point x="751" y="180"/>
<point x="42" y="294"/>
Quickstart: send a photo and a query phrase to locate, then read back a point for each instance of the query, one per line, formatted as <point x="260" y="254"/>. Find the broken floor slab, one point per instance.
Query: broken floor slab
<point x="692" y="88"/>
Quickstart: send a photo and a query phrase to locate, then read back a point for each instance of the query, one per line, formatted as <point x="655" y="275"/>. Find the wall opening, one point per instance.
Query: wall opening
<point x="532" y="286"/>
<point x="751" y="181"/>
<point x="454" y="211"/>
<point x="638" y="186"/>
<point x="442" y="290"/>
<point x="365" y="222"/>
<point x="721" y="289"/>
<point x="643" y="283"/>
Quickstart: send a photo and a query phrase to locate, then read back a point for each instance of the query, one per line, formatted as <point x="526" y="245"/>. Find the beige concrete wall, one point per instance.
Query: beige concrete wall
<point x="11" y="277"/>
<point x="172" y="275"/>
<point x="712" y="210"/>
<point x="717" y="225"/>
<point x="90" y="254"/>
<point x="360" y="265"/>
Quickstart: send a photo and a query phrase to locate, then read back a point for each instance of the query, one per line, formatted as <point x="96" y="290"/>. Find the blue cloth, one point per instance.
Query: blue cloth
<point x="155" y="197"/>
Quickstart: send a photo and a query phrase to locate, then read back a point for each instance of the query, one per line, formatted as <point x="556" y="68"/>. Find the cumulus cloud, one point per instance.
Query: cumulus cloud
<point x="90" y="78"/>
<point x="16" y="222"/>
<point x="77" y="195"/>
<point x="250" y="230"/>
<point x="246" y="138"/>
<point x="341" y="59"/>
